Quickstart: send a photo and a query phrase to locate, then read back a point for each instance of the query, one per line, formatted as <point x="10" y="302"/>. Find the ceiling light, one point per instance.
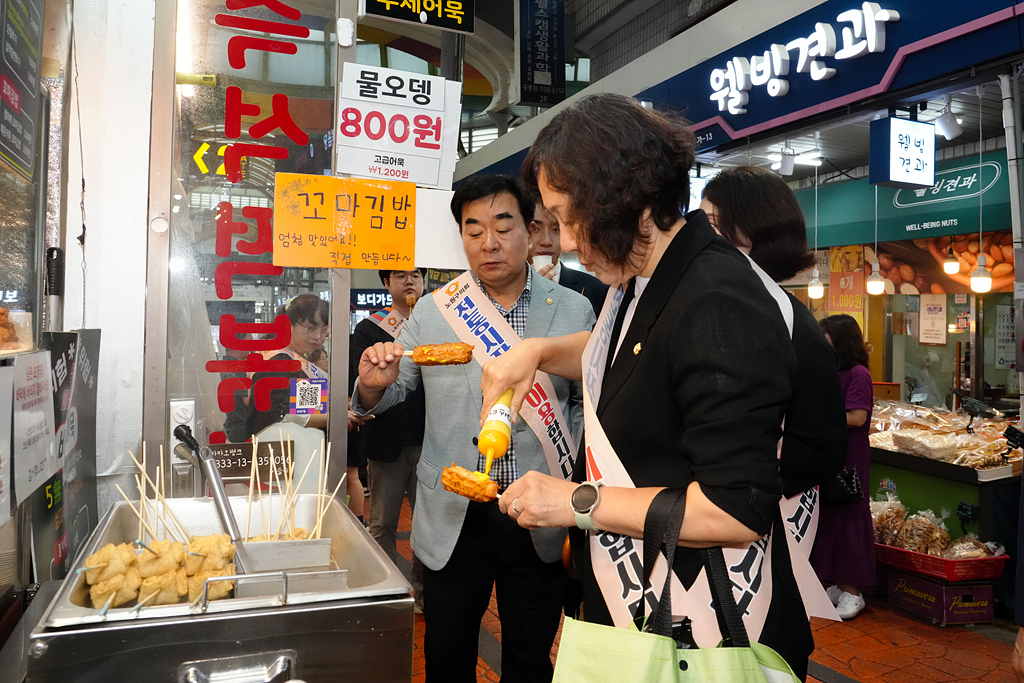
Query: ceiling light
<point x="815" y="289"/>
<point x="875" y="282"/>
<point x="948" y="125"/>
<point x="805" y="159"/>
<point x="981" y="279"/>
<point x="788" y="160"/>
<point x="952" y="264"/>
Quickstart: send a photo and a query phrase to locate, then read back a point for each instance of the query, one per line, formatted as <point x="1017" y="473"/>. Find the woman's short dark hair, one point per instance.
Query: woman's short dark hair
<point x="847" y="340"/>
<point x="304" y="309"/>
<point x="480" y="187"/>
<point x="615" y="159"/>
<point x="756" y="207"/>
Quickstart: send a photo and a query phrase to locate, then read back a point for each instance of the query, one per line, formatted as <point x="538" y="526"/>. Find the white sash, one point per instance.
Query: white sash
<point x="475" y="321"/>
<point x="618" y="560"/>
<point x="390" y="320"/>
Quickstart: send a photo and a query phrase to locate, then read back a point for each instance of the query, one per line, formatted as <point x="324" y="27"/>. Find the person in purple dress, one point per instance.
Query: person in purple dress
<point x="844" y="549"/>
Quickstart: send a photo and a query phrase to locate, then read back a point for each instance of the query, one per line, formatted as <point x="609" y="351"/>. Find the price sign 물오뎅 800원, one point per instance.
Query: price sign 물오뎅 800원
<point x="329" y="222"/>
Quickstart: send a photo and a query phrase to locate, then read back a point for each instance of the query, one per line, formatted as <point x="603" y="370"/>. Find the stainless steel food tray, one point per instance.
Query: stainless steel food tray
<point x="358" y="569"/>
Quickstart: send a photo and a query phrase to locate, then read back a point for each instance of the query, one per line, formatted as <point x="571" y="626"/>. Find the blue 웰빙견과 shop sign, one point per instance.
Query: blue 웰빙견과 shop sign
<point x="834" y="55"/>
<point x="902" y="153"/>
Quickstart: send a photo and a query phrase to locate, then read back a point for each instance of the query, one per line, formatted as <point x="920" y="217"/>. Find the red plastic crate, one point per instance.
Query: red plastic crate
<point x="975" y="569"/>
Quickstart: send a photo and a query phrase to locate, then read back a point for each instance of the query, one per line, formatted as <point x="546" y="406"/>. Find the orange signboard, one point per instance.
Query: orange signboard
<point x="329" y="222"/>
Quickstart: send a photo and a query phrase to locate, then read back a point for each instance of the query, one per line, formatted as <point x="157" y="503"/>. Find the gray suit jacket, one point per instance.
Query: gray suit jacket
<point x="453" y="417"/>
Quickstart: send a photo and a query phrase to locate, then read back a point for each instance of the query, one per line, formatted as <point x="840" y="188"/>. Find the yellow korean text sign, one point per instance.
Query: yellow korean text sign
<point x="328" y="222"/>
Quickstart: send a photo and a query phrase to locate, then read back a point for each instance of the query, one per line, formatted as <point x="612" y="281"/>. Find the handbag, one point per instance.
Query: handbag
<point x="843" y="488"/>
<point x="605" y="654"/>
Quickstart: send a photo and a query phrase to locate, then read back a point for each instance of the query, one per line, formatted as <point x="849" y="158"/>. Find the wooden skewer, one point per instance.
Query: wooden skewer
<point x="170" y="510"/>
<point x="323" y="491"/>
<point x="142" y="604"/>
<point x="190" y="552"/>
<point x="292" y="499"/>
<point x="319" y="480"/>
<point x="138" y="542"/>
<point x="252" y="479"/>
<point x="163" y="500"/>
<point x="82" y="570"/>
<point x="142" y="492"/>
<point x="259" y="500"/>
<point x="331" y="500"/>
<point x="146" y="503"/>
<point x="137" y="513"/>
<point x="291" y="457"/>
<point x="103" y="612"/>
<point x="276" y="483"/>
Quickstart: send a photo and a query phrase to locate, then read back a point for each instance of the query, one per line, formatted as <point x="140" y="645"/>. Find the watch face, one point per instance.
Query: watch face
<point x="584" y="497"/>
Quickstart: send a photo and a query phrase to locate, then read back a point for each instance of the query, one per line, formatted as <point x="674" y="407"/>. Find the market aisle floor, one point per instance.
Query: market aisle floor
<point x="882" y="645"/>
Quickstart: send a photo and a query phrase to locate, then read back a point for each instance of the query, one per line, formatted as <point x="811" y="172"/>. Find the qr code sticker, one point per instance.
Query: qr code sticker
<point x="307" y="396"/>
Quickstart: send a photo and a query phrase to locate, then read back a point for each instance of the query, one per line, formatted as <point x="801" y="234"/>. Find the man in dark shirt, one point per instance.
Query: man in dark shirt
<point x="393" y="440"/>
<point x="544" y="241"/>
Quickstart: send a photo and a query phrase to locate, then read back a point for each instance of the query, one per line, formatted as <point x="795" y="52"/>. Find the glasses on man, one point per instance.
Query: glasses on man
<point x="318" y="331"/>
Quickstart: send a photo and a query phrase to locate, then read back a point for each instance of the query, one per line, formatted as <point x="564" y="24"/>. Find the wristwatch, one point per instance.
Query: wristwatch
<point x="583" y="500"/>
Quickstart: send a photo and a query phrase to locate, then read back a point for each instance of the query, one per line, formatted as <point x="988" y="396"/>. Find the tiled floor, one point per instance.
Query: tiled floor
<point x="882" y="645"/>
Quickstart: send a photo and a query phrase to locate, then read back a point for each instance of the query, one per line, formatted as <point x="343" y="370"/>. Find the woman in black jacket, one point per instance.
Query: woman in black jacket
<point x="758" y="213"/>
<point x="697" y="365"/>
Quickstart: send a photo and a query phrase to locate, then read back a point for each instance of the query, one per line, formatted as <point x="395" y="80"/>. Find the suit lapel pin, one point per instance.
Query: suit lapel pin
<point x="549" y="301"/>
<point x="636" y="349"/>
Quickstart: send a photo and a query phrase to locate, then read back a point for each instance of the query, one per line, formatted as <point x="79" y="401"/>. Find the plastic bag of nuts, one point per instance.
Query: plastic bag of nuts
<point x="887" y="516"/>
<point x="966" y="548"/>
<point x="923" y="533"/>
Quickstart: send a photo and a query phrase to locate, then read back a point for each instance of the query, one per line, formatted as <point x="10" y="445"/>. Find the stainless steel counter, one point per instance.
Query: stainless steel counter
<point x="351" y="620"/>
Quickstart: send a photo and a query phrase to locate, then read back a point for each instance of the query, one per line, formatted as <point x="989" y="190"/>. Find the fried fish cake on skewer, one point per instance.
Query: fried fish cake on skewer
<point x="165" y="585"/>
<point x="167" y="557"/>
<point x="116" y="586"/>
<point x="181" y="581"/>
<point x="217" y="589"/>
<point x="109" y="563"/>
<point x="472" y="485"/>
<point x="410" y="301"/>
<point x="208" y="553"/>
<point x="452" y="353"/>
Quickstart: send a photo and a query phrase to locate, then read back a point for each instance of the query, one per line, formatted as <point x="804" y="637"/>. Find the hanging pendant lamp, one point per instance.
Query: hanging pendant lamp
<point x="981" y="279"/>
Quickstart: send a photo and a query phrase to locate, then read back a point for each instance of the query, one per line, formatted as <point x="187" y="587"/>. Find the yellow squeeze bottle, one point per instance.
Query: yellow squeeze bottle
<point x="497" y="431"/>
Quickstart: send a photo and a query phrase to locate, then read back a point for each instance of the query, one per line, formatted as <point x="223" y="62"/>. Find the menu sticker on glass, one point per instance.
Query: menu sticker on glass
<point x="328" y="222"/>
<point x="933" y="319"/>
<point x="34" y="451"/>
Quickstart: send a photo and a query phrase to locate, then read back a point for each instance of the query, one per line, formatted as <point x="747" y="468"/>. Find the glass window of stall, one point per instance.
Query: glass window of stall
<point x="255" y="97"/>
<point x="926" y="370"/>
<point x="1002" y="386"/>
<point x="22" y="227"/>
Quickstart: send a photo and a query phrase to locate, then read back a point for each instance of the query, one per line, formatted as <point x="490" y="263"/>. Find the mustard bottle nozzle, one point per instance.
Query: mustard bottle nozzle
<point x="488" y="462"/>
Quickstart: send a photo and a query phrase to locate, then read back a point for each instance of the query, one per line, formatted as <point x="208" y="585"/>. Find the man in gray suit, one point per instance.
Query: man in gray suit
<point x="468" y="548"/>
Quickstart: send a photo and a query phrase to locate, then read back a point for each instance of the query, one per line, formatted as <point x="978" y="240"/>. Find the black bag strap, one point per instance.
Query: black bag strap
<point x="730" y="621"/>
<point x="661" y="530"/>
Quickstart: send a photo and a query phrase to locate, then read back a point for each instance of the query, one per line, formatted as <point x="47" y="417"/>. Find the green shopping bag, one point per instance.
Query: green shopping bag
<point x="596" y="653"/>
